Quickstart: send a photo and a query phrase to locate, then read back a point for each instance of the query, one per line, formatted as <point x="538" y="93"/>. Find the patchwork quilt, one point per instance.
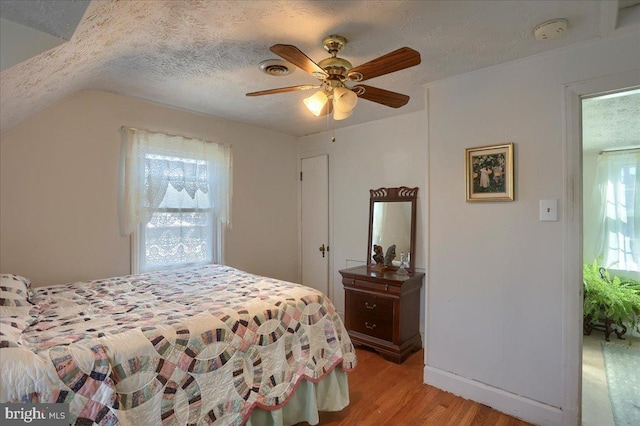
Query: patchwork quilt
<point x="197" y="345"/>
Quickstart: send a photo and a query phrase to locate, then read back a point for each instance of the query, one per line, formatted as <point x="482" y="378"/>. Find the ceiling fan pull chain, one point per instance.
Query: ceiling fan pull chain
<point x="333" y="127"/>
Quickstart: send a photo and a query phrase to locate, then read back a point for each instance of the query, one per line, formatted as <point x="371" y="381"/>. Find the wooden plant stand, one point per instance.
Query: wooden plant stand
<point x="603" y="324"/>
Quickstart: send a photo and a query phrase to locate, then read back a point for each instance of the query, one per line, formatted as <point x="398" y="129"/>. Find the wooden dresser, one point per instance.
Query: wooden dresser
<point x="382" y="310"/>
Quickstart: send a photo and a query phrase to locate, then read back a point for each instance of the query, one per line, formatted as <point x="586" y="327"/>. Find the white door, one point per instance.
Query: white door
<point x="315" y="222"/>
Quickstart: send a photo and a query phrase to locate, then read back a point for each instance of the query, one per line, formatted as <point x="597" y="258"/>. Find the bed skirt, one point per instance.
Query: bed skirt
<point x="330" y="394"/>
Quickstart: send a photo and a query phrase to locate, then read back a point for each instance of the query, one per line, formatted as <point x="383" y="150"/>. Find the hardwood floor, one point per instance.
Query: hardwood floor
<point x="384" y="393"/>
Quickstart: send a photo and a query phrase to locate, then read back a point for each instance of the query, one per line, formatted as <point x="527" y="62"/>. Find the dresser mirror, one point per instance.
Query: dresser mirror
<point x="392" y="222"/>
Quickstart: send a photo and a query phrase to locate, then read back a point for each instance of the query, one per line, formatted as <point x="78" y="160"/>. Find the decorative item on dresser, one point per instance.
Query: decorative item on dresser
<point x="382" y="303"/>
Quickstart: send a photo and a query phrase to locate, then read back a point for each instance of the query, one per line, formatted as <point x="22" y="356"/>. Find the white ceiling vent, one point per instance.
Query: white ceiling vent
<point x="551" y="29"/>
<point x="276" y="67"/>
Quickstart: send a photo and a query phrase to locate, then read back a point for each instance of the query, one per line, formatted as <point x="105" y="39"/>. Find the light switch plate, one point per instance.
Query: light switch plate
<point x="549" y="210"/>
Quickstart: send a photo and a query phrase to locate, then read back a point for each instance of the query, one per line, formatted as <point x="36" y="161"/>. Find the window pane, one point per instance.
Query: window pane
<point x="172" y="239"/>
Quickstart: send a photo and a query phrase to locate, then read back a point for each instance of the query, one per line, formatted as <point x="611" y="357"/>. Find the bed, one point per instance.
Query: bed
<point x="201" y="345"/>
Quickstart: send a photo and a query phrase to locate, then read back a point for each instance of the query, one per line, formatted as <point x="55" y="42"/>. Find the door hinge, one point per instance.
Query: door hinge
<point x="301" y="176"/>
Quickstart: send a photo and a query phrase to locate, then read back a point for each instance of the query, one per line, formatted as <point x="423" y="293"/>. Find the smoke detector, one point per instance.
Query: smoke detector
<point x="551" y="29"/>
<point x="276" y="67"/>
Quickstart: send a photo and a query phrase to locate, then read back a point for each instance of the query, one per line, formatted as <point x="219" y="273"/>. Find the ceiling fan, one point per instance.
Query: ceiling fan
<point x="334" y="73"/>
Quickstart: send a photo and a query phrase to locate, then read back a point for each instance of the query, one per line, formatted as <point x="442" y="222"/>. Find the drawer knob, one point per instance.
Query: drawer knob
<point x="368" y="306"/>
<point x="370" y="327"/>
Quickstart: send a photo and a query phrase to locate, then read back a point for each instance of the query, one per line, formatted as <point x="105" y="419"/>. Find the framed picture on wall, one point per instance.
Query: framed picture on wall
<point x="489" y="171"/>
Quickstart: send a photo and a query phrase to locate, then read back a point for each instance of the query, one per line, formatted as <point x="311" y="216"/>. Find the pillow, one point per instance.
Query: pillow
<point x="20" y="314"/>
<point x="14" y="290"/>
<point x="10" y="330"/>
<point x="13" y="321"/>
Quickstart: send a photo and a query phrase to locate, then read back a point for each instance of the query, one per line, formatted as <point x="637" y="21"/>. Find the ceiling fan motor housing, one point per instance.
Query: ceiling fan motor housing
<point x="337" y="68"/>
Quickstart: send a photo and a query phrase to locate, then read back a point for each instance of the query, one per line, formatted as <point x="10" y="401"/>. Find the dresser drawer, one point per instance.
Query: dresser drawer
<point x="368" y="285"/>
<point x="375" y="327"/>
<point x="371" y="305"/>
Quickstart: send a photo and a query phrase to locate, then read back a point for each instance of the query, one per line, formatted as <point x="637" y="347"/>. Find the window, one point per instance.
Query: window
<point x="618" y="187"/>
<point x="180" y="230"/>
<point x="175" y="199"/>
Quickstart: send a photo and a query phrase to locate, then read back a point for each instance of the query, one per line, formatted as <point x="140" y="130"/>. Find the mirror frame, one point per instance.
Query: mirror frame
<point x="402" y="193"/>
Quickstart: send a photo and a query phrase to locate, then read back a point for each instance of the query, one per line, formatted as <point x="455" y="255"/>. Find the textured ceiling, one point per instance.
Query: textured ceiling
<point x="611" y="121"/>
<point x="203" y="55"/>
<point x="56" y="17"/>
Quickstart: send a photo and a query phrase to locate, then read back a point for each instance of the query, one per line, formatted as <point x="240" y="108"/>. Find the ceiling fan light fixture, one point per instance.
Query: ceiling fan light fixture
<point x="344" y="99"/>
<point x="316" y="102"/>
<point x="340" y="115"/>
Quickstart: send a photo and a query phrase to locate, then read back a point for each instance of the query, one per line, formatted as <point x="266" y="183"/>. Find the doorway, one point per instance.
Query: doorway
<point x="573" y="216"/>
<point x="610" y="133"/>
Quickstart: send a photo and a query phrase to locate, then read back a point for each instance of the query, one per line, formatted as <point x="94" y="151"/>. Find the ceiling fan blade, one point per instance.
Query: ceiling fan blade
<point x="381" y="96"/>
<point x="283" y="90"/>
<point x="299" y="59"/>
<point x="405" y="57"/>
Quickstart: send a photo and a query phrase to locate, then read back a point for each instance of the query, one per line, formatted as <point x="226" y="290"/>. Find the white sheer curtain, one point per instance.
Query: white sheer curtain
<point x="168" y="182"/>
<point x="618" y="196"/>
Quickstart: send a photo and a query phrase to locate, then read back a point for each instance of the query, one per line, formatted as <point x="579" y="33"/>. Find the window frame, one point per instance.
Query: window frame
<point x="133" y="204"/>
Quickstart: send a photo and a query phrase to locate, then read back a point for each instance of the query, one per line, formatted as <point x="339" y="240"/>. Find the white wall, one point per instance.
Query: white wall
<point x="19" y="43"/>
<point x="58" y="190"/>
<point x="495" y="312"/>
<point x="383" y="153"/>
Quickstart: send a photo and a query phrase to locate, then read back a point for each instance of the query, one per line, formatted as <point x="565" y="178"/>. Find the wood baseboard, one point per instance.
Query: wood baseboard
<point x="515" y="405"/>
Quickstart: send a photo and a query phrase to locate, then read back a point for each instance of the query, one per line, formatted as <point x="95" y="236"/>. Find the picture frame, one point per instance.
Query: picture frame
<point x="489" y="173"/>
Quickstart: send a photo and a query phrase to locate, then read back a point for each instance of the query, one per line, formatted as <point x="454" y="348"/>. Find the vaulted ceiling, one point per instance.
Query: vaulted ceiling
<point x="203" y="56"/>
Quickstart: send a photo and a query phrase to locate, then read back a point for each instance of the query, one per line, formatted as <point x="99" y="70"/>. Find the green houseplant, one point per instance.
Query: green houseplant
<point x="610" y="300"/>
